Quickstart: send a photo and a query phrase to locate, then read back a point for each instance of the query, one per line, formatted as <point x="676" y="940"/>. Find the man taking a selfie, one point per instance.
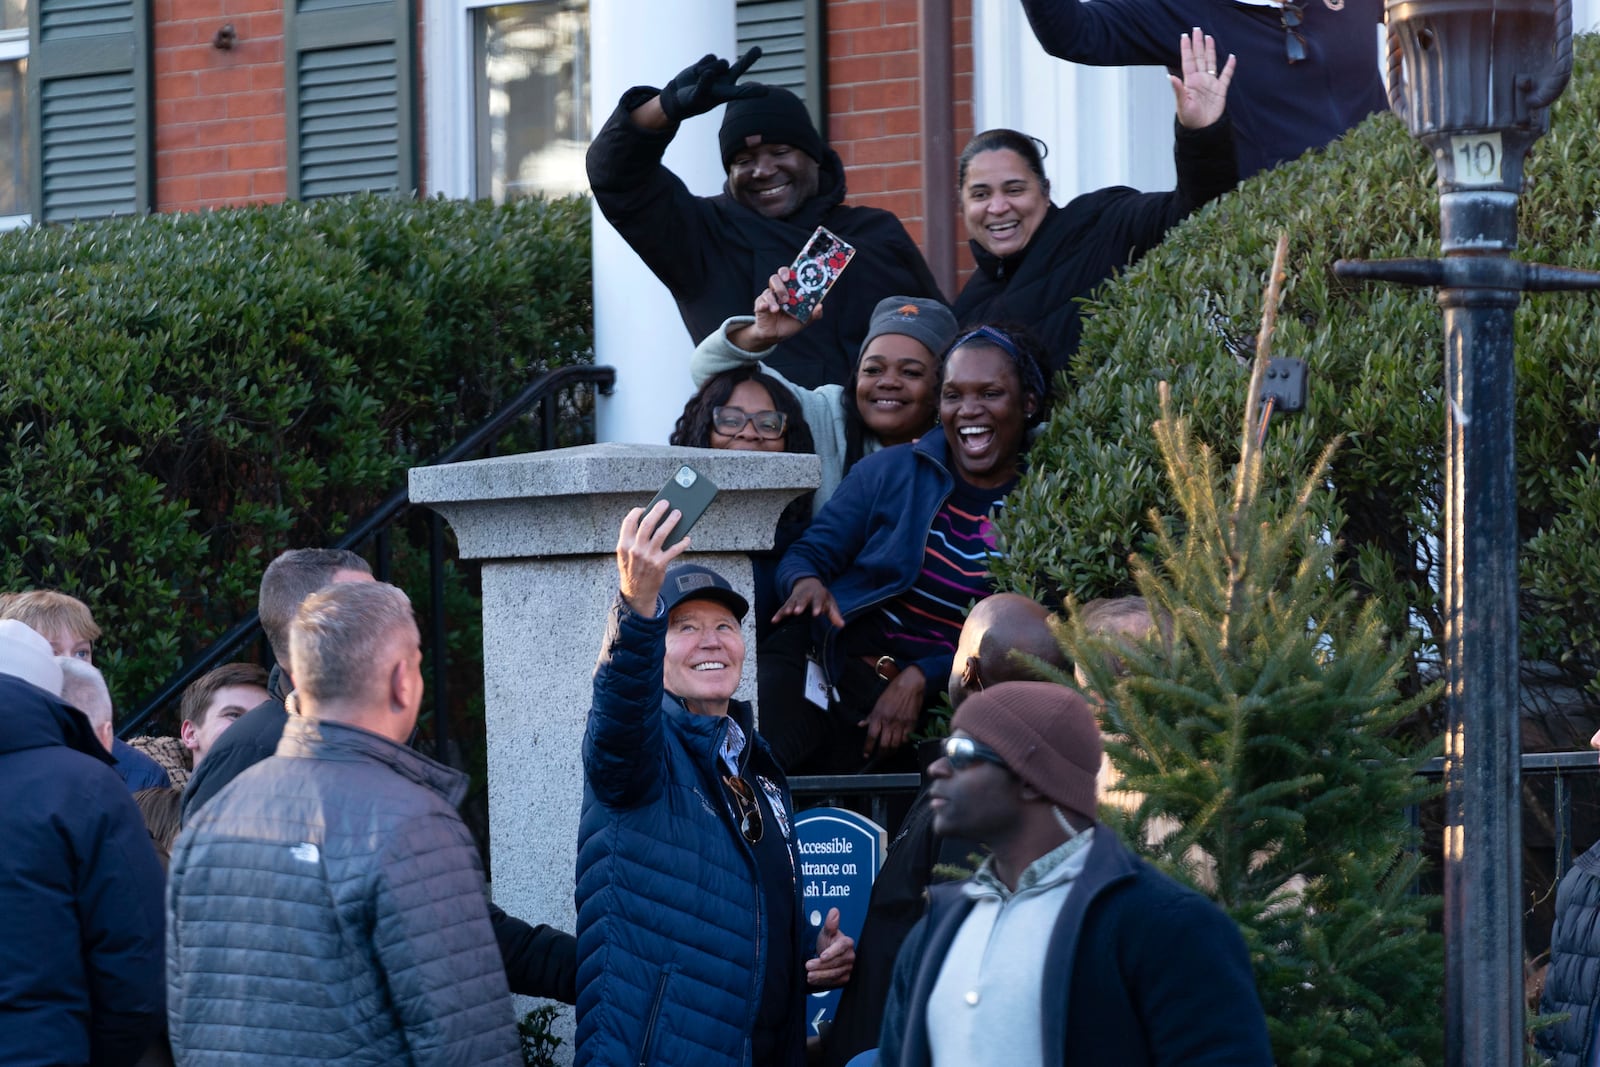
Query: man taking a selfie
<point x="715" y="253"/>
<point x="690" y="920"/>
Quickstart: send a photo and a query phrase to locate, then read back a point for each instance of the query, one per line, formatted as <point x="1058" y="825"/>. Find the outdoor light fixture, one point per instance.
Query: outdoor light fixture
<point x="1474" y="80"/>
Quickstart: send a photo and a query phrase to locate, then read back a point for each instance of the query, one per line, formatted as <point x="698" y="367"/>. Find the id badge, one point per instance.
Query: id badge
<point x="817" y="689"/>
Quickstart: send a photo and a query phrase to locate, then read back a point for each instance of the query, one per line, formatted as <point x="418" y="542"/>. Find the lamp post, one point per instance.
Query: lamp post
<point x="1474" y="79"/>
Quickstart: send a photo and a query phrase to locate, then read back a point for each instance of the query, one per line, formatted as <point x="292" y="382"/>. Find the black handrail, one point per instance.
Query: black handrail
<point x="812" y="790"/>
<point x="375" y="524"/>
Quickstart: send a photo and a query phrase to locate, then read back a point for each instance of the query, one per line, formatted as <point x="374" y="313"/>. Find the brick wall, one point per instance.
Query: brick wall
<point x="873" y="96"/>
<point x="220" y="129"/>
<point x="219" y="114"/>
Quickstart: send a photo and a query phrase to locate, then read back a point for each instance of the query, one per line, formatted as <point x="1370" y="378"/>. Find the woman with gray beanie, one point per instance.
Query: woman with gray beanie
<point x="892" y="395"/>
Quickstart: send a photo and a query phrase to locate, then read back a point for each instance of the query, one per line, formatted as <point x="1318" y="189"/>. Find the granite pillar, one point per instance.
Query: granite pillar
<point x="545" y="527"/>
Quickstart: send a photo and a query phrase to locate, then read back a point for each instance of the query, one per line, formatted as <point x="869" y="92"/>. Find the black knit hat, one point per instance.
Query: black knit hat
<point x="1046" y="734"/>
<point x="775" y="117"/>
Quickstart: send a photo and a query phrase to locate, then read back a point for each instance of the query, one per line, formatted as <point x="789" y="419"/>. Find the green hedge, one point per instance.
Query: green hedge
<point x="187" y="395"/>
<point x="1188" y="313"/>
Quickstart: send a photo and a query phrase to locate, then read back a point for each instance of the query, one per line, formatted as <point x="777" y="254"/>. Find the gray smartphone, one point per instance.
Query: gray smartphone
<point x="689" y="492"/>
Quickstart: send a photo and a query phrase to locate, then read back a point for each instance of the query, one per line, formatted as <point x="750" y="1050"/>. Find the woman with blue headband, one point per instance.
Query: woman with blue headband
<point x="877" y="589"/>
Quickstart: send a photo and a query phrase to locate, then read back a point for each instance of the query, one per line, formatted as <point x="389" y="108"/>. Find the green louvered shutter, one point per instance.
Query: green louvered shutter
<point x="349" y="89"/>
<point x="89" y="108"/>
<point x="790" y="35"/>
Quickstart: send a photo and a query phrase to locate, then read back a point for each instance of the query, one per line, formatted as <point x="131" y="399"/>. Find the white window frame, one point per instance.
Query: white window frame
<point x="449" y="72"/>
<point x="15" y="45"/>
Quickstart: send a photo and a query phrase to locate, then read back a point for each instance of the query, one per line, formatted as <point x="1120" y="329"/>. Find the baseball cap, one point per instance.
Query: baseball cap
<point x="691" y="581"/>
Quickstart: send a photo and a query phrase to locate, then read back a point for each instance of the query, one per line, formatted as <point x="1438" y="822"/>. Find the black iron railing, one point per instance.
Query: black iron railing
<point x="546" y="392"/>
<point x="1556" y="767"/>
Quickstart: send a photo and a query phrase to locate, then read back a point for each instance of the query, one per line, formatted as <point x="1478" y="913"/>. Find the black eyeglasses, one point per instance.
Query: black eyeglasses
<point x="963" y="752"/>
<point x="749" y="807"/>
<point x="730" y="420"/>
<point x="1293" y="43"/>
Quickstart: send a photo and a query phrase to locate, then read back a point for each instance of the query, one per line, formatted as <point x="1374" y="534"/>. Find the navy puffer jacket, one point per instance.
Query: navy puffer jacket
<point x="672" y="941"/>
<point x="80" y="887"/>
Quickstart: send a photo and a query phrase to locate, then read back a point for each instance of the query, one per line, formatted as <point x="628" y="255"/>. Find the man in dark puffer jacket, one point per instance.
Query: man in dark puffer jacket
<point x="80" y="885"/>
<point x="690" y="919"/>
<point x="715" y="253"/>
<point x="328" y="905"/>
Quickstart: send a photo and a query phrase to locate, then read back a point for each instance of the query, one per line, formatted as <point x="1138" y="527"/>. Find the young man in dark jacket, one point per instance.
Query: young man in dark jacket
<point x="80" y="885"/>
<point x="1134" y="970"/>
<point x="290" y="578"/>
<point x="329" y="905"/>
<point x="690" y="919"/>
<point x="716" y="253"/>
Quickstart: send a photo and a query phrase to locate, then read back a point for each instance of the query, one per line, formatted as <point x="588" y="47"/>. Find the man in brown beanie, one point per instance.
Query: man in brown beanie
<point x="715" y="253"/>
<point x="1064" y="948"/>
<point x="998" y="628"/>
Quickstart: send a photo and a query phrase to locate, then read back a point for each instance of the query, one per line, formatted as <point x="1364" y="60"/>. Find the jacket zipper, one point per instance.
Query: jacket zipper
<point x="756" y="969"/>
<point x="650" y="1023"/>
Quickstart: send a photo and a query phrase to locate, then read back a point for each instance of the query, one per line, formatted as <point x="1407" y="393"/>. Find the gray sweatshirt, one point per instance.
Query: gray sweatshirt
<point x="821" y="405"/>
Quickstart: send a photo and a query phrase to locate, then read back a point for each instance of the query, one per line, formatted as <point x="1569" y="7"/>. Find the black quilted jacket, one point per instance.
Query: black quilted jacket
<point x="1573" y="984"/>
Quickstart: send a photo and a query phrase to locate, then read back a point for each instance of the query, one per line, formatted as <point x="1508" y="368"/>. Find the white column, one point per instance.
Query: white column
<point x="636" y="325"/>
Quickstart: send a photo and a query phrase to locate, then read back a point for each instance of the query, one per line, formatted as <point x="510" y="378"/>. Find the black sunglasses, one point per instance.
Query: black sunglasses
<point x="749" y="807"/>
<point x="963" y="752"/>
<point x="730" y="420"/>
<point x="1294" y="44"/>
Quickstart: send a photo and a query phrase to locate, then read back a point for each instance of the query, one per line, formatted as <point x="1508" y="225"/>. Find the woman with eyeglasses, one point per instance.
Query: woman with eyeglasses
<point x="691" y="925"/>
<point x="744" y="408"/>
<point x="891" y="397"/>
<point x="747" y="409"/>
<point x="877" y="589"/>
<point x="1035" y="260"/>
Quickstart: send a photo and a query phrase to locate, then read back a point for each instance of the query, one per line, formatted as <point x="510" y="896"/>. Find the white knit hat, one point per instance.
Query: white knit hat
<point x="26" y="655"/>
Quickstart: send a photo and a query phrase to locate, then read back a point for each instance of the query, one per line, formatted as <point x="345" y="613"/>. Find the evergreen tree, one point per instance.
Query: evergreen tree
<point x="1261" y="723"/>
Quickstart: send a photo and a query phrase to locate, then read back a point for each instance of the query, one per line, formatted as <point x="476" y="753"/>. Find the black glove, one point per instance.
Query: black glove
<point x="698" y="89"/>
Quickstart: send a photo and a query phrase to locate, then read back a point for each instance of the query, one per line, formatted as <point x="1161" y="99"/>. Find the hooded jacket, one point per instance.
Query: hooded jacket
<point x="1149" y="972"/>
<point x="80" y="887"/>
<point x="714" y="254"/>
<point x="328" y="906"/>
<point x="1085" y="243"/>
<point x="672" y="937"/>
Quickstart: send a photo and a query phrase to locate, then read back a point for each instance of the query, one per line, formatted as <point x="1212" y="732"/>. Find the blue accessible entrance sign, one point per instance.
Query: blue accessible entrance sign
<point x="840" y="853"/>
